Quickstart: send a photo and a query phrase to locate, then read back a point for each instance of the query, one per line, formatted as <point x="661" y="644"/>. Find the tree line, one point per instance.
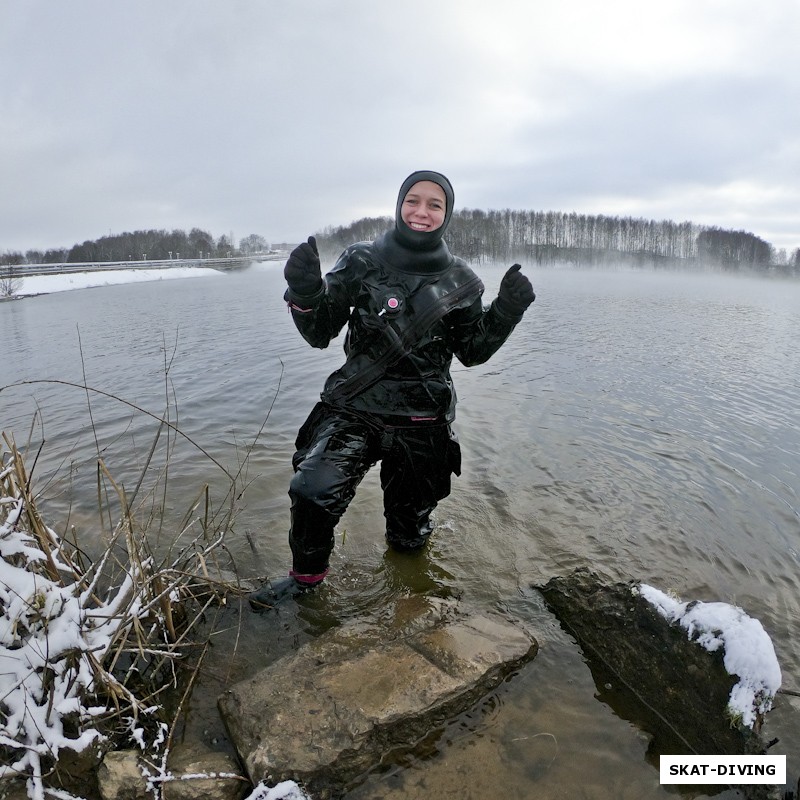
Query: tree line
<point x="544" y="237"/>
<point x="142" y="245"/>
<point x="553" y="237"/>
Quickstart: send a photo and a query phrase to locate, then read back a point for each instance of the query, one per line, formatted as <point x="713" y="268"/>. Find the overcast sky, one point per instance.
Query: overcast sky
<point x="280" y="117"/>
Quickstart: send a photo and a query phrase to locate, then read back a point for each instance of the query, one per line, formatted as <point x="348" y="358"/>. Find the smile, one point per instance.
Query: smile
<point x="418" y="226"/>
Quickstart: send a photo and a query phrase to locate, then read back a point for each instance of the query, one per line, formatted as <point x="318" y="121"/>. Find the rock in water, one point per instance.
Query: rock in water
<point x="651" y="673"/>
<point x="337" y="707"/>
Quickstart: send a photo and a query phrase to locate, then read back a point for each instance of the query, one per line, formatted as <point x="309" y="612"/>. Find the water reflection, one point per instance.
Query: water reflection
<point x="640" y="424"/>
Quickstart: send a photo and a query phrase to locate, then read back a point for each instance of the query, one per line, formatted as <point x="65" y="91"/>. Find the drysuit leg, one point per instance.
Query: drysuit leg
<point x="415" y="476"/>
<point x="334" y="453"/>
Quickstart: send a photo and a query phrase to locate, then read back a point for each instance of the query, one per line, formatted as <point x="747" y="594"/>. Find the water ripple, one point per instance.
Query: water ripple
<point x="641" y="425"/>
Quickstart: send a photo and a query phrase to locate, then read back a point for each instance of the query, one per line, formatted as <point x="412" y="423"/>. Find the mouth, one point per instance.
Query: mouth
<point x="418" y="226"/>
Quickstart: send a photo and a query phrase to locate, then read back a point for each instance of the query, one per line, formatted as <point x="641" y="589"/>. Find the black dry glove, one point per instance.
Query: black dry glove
<point x="302" y="270"/>
<point x="516" y="292"/>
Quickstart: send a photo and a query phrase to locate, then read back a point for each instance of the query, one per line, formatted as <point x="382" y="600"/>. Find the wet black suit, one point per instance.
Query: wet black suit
<point x="396" y="409"/>
<point x="403" y="418"/>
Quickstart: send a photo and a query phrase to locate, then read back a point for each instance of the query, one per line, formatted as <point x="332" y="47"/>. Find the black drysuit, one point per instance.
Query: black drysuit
<point x="404" y="417"/>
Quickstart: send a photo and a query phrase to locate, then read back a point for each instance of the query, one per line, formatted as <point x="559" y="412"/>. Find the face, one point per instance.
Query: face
<point x="424" y="206"/>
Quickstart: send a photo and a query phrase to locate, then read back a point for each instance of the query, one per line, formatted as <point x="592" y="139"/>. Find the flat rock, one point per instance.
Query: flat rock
<point x="327" y="713"/>
<point x="120" y="776"/>
<point x="200" y="774"/>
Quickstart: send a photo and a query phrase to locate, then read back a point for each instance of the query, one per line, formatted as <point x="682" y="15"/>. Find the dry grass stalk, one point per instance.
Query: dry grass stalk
<point x="135" y="629"/>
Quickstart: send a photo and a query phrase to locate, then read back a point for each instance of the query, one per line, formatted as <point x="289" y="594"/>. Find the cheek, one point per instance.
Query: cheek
<point x="437" y="218"/>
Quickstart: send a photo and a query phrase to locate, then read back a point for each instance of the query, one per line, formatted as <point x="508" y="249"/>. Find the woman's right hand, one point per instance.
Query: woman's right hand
<point x="302" y="270"/>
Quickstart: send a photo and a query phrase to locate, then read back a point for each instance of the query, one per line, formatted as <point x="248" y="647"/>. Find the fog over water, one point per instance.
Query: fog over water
<point x="640" y="424"/>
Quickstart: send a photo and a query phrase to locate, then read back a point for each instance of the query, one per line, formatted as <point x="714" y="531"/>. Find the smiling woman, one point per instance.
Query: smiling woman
<point x="424" y="198"/>
<point x="424" y="206"/>
<point x="410" y="307"/>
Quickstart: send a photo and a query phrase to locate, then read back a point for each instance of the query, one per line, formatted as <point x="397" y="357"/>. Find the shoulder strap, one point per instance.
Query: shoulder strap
<point x="399" y="345"/>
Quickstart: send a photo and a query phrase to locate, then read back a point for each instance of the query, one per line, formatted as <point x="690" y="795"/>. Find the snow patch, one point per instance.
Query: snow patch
<point x="45" y="284"/>
<point x="749" y="652"/>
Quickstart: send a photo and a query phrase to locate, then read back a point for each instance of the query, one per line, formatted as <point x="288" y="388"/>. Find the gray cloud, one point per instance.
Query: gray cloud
<point x="259" y="116"/>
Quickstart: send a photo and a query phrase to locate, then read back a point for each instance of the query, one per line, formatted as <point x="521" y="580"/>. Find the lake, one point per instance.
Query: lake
<point x="640" y="424"/>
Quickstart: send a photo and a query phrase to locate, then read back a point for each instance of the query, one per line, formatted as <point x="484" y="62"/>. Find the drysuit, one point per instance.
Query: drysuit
<point x="401" y="413"/>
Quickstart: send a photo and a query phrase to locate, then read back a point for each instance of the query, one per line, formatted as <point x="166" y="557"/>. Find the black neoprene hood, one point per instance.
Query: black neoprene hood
<point x="423" y="240"/>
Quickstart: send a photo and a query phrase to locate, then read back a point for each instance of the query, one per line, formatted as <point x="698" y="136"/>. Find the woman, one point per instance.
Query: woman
<point x="409" y="307"/>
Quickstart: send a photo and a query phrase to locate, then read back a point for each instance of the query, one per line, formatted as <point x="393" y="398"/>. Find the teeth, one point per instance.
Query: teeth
<point x="417" y="227"/>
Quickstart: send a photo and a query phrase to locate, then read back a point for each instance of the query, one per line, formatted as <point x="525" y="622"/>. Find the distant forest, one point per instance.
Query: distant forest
<point x="541" y="237"/>
<point x="142" y="246"/>
<point x="558" y="238"/>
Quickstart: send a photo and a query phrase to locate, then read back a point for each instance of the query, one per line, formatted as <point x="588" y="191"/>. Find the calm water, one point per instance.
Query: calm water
<point x="643" y="425"/>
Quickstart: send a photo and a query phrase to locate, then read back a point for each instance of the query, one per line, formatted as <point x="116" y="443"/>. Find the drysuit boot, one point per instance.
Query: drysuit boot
<point x="275" y="592"/>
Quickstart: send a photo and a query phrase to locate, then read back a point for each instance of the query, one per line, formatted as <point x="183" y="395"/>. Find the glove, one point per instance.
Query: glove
<point x="302" y="270"/>
<point x="516" y="292"/>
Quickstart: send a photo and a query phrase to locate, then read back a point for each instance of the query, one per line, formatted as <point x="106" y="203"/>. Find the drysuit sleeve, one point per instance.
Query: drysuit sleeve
<point x="321" y="316"/>
<point x="477" y="333"/>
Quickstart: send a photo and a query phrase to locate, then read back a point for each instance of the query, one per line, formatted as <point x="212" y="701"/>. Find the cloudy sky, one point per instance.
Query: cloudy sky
<point x="280" y="117"/>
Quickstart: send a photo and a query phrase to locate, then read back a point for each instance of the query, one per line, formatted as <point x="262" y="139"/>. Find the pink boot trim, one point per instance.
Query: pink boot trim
<point x="308" y="580"/>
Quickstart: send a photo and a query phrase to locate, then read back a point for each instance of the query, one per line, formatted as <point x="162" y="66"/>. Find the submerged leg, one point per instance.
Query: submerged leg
<point x="339" y="451"/>
<point x="415" y="476"/>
